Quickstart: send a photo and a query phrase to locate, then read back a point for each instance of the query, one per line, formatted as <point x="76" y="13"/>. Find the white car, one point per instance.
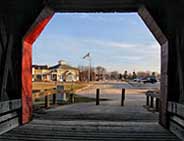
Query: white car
<point x="137" y="80"/>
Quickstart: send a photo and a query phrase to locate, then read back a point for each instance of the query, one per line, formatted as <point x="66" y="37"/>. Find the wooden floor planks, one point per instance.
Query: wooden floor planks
<point x="48" y="130"/>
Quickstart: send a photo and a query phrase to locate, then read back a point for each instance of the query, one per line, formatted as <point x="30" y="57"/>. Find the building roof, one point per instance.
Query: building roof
<point x="40" y="66"/>
<point x="62" y="66"/>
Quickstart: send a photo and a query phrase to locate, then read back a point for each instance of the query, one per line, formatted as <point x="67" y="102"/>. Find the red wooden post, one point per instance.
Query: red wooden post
<point x="28" y="40"/>
<point x="26" y="83"/>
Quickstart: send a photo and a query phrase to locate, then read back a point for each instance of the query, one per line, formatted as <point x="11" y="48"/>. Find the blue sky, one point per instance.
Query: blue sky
<point x="117" y="41"/>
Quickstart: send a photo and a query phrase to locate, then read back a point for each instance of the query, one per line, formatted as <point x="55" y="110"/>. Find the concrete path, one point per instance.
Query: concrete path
<point x="107" y="110"/>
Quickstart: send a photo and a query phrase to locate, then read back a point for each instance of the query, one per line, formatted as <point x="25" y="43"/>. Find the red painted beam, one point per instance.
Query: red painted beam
<point x="27" y="65"/>
<point x="35" y="32"/>
<point x="26" y="82"/>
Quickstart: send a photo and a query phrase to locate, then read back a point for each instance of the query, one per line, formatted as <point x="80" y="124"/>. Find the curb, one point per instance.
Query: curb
<point x="79" y="90"/>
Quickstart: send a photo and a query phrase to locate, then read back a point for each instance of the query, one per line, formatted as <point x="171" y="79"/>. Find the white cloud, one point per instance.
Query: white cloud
<point x="128" y="55"/>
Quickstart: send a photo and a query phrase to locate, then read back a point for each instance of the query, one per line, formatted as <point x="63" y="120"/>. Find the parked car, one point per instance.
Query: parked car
<point x="149" y="80"/>
<point x="137" y="79"/>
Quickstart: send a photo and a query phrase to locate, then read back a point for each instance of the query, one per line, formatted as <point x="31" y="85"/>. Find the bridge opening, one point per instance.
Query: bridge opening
<point x="101" y="48"/>
<point x="20" y="25"/>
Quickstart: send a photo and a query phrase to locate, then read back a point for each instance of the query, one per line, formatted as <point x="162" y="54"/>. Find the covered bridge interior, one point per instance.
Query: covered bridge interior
<point x="22" y="21"/>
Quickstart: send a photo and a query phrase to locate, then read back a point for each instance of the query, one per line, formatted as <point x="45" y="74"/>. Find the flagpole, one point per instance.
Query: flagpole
<point x="89" y="72"/>
<point x="89" y="67"/>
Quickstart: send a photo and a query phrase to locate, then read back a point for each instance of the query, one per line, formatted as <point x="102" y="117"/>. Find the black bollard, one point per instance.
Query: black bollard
<point x="147" y="100"/>
<point x="97" y="96"/>
<point x="47" y="101"/>
<point x="72" y="98"/>
<point x="54" y="100"/>
<point x="157" y="105"/>
<point x="122" y="97"/>
<point x="151" y="104"/>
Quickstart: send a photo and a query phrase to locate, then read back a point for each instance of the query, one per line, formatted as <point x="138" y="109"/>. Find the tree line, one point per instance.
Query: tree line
<point x="100" y="73"/>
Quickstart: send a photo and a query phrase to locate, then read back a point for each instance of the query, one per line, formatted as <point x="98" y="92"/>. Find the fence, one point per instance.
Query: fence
<point x="176" y="118"/>
<point x="47" y="93"/>
<point x="153" y="100"/>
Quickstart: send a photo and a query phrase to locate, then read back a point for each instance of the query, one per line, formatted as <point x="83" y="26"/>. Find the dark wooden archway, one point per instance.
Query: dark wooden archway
<point x="47" y="14"/>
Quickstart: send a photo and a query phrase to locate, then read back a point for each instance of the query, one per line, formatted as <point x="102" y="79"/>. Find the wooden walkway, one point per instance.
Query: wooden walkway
<point x="49" y="130"/>
<point x="86" y="121"/>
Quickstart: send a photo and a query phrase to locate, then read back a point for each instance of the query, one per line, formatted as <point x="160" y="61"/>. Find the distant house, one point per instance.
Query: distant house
<point x="64" y="72"/>
<point x="59" y="72"/>
<point x="40" y="73"/>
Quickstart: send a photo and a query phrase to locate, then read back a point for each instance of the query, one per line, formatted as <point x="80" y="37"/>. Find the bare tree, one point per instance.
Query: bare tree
<point x="100" y="73"/>
<point x="83" y="76"/>
<point x="125" y="74"/>
<point x="143" y="74"/>
<point x="134" y="75"/>
<point x="114" y="75"/>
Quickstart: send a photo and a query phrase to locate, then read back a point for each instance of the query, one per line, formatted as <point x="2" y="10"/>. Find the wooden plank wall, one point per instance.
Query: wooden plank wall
<point x="180" y="57"/>
<point x="163" y="41"/>
<point x="9" y="114"/>
<point x="176" y="118"/>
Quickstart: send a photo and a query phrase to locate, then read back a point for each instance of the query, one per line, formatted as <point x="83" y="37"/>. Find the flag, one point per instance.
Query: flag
<point x="87" y="55"/>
